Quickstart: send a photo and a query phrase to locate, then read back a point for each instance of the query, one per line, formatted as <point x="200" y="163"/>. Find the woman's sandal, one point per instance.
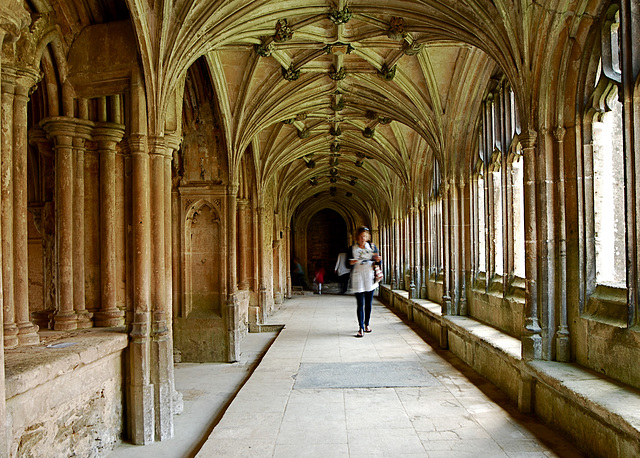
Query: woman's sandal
<point x="360" y="334"/>
<point x="367" y="329"/>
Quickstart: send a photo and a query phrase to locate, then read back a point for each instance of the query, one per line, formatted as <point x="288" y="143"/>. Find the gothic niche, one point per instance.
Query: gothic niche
<point x="202" y="255"/>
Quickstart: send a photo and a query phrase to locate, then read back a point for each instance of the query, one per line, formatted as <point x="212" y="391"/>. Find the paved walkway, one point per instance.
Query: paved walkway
<point x="321" y="392"/>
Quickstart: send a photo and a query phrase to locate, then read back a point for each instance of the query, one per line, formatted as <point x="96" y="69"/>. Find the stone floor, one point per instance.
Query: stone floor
<point x="320" y="392"/>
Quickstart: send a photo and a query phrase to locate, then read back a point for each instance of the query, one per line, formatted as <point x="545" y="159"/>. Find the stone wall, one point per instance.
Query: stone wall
<point x="67" y="400"/>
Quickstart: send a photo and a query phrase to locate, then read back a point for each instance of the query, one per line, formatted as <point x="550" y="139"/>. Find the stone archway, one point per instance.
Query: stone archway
<point x="327" y="236"/>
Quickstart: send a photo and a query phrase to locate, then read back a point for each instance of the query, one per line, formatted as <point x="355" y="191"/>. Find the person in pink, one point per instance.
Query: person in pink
<point x="319" y="277"/>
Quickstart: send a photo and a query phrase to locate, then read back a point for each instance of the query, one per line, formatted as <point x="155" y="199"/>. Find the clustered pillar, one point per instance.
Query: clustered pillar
<point x="18" y="328"/>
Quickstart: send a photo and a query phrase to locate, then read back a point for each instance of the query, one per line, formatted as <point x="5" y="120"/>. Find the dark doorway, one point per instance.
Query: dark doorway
<point x="326" y="238"/>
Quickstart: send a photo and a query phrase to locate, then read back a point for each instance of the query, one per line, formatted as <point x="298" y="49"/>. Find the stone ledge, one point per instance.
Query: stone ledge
<point x="29" y="367"/>
<point x="609" y="410"/>
<point x="616" y="404"/>
<point x="483" y="334"/>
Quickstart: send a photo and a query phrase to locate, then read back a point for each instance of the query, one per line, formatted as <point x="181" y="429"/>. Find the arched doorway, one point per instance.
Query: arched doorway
<point x="326" y="237"/>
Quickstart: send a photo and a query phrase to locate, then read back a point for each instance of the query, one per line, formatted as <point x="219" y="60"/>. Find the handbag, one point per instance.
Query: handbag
<point x="377" y="273"/>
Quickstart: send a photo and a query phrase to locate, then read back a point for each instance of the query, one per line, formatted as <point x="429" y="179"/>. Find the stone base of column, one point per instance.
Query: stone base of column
<point x="141" y="414"/>
<point x="262" y="305"/>
<point x="525" y="394"/>
<point x="444" y="336"/>
<point x="563" y="348"/>
<point x="10" y="336"/>
<point x="65" y="321"/>
<point x="84" y="320"/>
<point x="413" y="293"/>
<point x="531" y="347"/>
<point x="254" y="318"/>
<point x="233" y="347"/>
<point x="28" y="334"/>
<point x="42" y="318"/>
<point x="243" y="285"/>
<point x="163" y="355"/>
<point x="109" y="318"/>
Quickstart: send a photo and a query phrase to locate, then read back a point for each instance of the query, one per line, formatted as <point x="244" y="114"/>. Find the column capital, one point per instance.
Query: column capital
<point x="172" y="141"/>
<point x="26" y="79"/>
<point x="138" y="143"/>
<point x="528" y="139"/>
<point x="157" y="146"/>
<point x="107" y="133"/>
<point x="19" y="77"/>
<point x="84" y="129"/>
<point x="61" y="129"/>
<point x="559" y="133"/>
<point x="232" y="189"/>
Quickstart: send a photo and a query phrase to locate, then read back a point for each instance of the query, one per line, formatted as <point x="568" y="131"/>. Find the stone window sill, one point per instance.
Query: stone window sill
<point x="608" y="305"/>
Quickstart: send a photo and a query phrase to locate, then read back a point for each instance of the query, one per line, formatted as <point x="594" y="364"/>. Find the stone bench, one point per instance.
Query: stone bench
<point x="601" y="415"/>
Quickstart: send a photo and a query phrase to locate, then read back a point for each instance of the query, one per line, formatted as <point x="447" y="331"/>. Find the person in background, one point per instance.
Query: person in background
<point x="342" y="270"/>
<point x="318" y="276"/>
<point x="298" y="274"/>
<point x="362" y="256"/>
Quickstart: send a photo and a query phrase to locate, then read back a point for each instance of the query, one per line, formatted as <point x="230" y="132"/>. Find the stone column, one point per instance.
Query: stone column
<point x="406" y="251"/>
<point x="262" y="280"/>
<point x="395" y="281"/>
<point x="176" y="263"/>
<point x="62" y="131"/>
<point x="454" y="246"/>
<point x="108" y="135"/>
<point x="287" y="234"/>
<point x="27" y="331"/>
<point x="141" y="413"/>
<point x="428" y="228"/>
<point x="417" y="240"/>
<point x="83" y="133"/>
<point x="508" y="229"/>
<point x="12" y="21"/>
<point x="423" y="251"/>
<point x="563" y="343"/>
<point x="629" y="36"/>
<point x="446" y="250"/>
<point x="6" y="219"/>
<point x="243" y="232"/>
<point x="172" y="143"/>
<point x="531" y="338"/>
<point x="162" y="351"/>
<point x="463" y="198"/>
<point x="232" y="293"/>
<point x="411" y="242"/>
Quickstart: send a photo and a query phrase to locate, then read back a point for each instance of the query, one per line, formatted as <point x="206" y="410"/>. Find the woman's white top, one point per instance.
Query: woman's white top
<point x="362" y="276"/>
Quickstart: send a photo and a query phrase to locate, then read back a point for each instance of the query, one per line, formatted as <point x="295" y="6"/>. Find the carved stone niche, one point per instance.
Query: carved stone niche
<point x="199" y="327"/>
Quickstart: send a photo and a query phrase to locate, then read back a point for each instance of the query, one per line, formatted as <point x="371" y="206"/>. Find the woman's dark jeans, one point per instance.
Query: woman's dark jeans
<point x="364" y="307"/>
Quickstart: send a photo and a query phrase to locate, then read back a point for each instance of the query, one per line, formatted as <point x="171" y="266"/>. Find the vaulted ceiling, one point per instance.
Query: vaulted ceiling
<point x="343" y="104"/>
<point x="347" y="104"/>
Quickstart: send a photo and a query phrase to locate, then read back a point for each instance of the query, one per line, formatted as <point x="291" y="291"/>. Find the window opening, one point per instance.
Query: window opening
<point x="608" y="189"/>
<point x="495" y="210"/>
<point x="482" y="228"/>
<point x="517" y="178"/>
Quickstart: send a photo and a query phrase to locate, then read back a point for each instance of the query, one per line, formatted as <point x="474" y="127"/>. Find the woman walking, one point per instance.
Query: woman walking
<point x="362" y="257"/>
